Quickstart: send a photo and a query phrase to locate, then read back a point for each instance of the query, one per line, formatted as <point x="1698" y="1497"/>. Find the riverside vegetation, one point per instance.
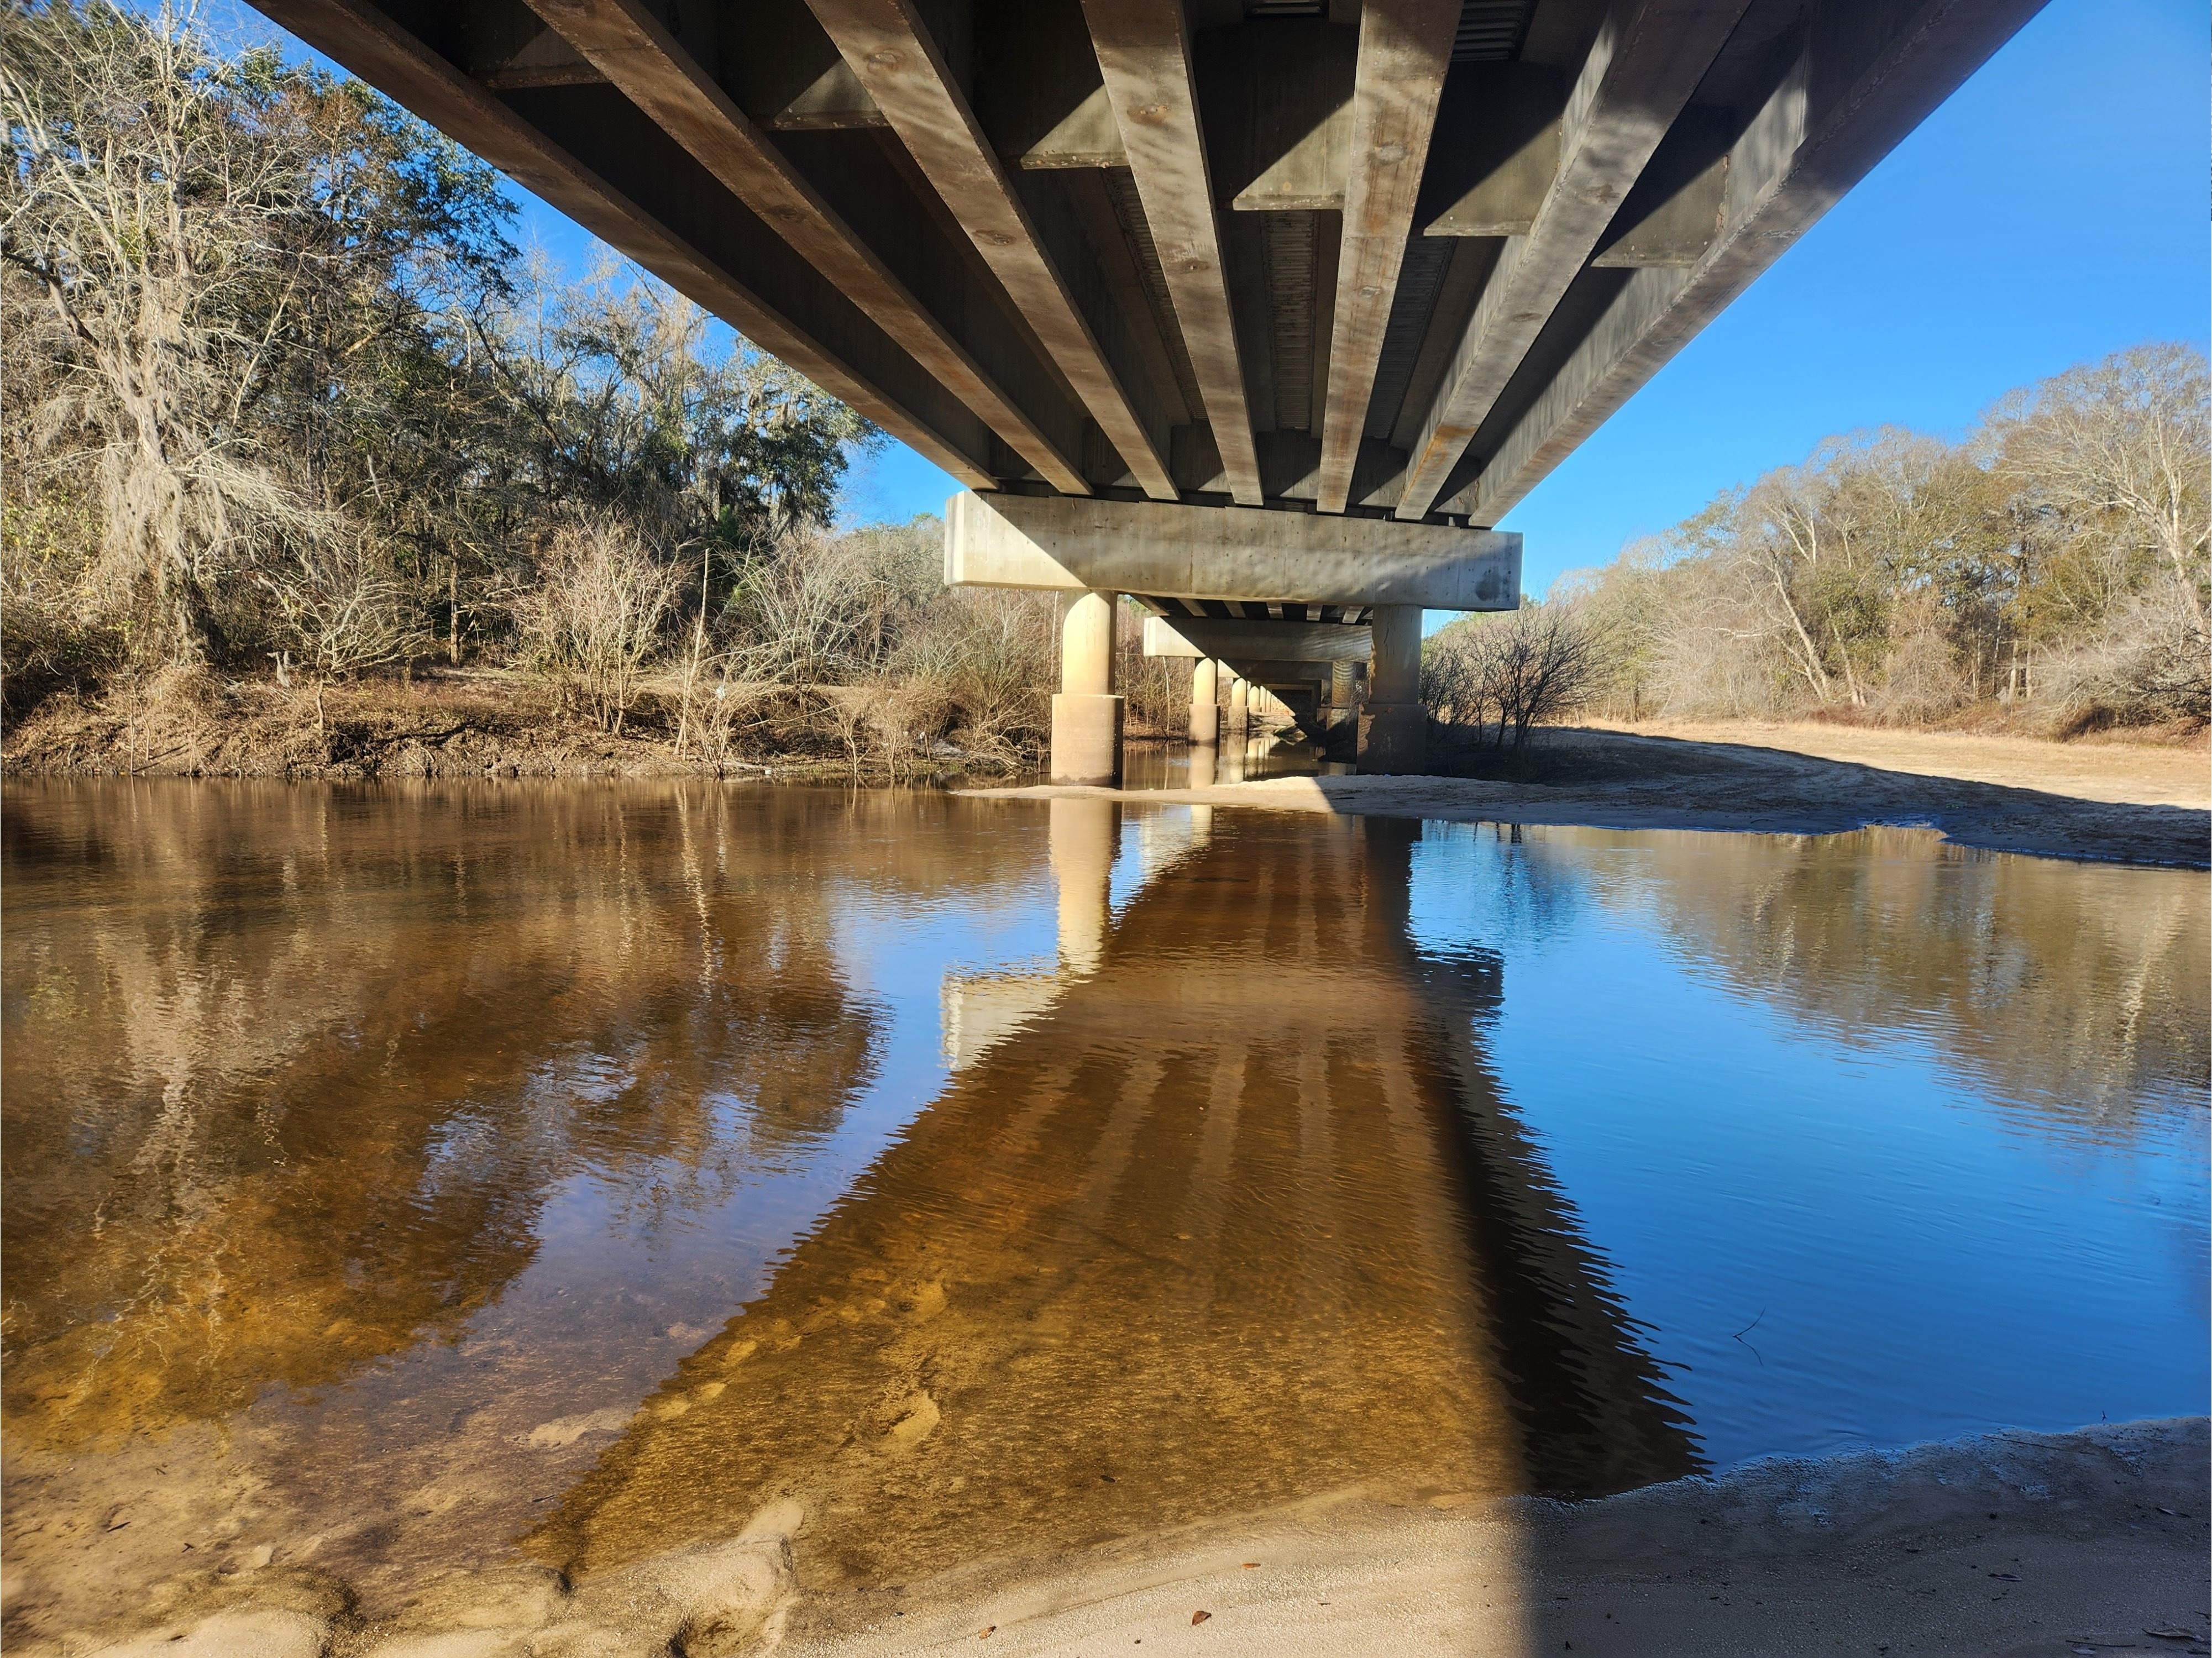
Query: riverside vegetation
<point x="2046" y="571"/>
<point x="306" y="467"/>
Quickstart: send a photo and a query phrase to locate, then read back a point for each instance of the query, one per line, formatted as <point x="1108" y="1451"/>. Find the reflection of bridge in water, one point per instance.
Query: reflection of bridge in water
<point x="1163" y="1250"/>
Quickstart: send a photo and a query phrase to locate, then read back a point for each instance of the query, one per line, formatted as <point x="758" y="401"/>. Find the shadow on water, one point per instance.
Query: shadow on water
<point x="1237" y="1217"/>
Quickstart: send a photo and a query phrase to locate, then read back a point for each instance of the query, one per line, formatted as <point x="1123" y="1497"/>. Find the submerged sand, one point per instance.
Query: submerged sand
<point x="2114" y="802"/>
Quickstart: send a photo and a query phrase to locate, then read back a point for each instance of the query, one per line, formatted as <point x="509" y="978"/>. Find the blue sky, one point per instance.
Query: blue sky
<point x="2052" y="211"/>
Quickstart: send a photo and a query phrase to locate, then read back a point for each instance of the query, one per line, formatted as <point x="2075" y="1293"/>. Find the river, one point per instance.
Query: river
<point x="403" y="1181"/>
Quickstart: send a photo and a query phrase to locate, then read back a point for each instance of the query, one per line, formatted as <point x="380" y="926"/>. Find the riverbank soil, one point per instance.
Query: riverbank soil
<point x="2112" y="801"/>
<point x="2010" y="1546"/>
<point x="446" y="723"/>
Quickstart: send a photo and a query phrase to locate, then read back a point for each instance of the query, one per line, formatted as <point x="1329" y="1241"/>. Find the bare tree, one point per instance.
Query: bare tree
<point x="151" y="213"/>
<point x="594" y="617"/>
<point x="1531" y="665"/>
<point x="2124" y="441"/>
<point x="342" y="609"/>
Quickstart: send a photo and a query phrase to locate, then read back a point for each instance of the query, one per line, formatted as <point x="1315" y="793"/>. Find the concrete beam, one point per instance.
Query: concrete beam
<point x="900" y="65"/>
<point x="1317" y="642"/>
<point x="1862" y="81"/>
<point x="1144" y="53"/>
<point x="1647" y="60"/>
<point x="1260" y="670"/>
<point x="1405" y="49"/>
<point x="631" y="48"/>
<point x="789" y="77"/>
<point x="1175" y="551"/>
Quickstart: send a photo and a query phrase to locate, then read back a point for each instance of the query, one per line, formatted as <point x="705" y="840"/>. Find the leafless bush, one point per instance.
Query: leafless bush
<point x="341" y="609"/>
<point x="2152" y="664"/>
<point x="594" y="617"/>
<point x="1524" y="668"/>
<point x="991" y="655"/>
<point x="825" y="609"/>
<point x="1920" y="679"/>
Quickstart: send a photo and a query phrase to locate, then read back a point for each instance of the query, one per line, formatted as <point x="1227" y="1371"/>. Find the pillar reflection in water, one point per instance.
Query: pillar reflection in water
<point x="1084" y="834"/>
<point x="1170" y="1249"/>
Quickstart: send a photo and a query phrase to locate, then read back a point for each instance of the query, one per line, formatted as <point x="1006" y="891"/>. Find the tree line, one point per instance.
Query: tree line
<point x="2050" y="565"/>
<point x="282" y="397"/>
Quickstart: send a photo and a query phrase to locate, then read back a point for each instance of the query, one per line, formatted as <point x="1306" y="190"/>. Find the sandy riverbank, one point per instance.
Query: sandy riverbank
<point x="2013" y="1544"/>
<point x="2124" y="803"/>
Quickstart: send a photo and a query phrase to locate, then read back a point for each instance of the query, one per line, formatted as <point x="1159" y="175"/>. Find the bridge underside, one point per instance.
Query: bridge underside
<point x="1374" y="264"/>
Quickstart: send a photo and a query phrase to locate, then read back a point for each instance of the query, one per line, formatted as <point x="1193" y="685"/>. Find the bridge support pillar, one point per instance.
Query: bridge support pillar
<point x="1086" y="715"/>
<point x="1339" y="717"/>
<point x="1205" y="701"/>
<point x="1394" y="731"/>
<point x="1240" y="705"/>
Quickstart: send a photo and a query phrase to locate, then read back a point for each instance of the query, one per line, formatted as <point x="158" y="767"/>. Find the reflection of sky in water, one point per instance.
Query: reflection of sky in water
<point x="702" y="1256"/>
<point x="1917" y="1258"/>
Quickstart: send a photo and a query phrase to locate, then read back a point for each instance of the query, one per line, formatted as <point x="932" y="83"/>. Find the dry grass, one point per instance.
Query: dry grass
<point x="189" y="723"/>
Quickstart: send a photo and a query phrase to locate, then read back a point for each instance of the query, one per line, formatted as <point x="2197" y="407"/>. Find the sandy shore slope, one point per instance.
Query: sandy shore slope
<point x="2012" y="1545"/>
<point x="2103" y="801"/>
<point x="2016" y="1543"/>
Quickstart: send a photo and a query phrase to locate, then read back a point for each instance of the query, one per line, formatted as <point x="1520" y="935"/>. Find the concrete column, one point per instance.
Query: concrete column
<point x="1086" y="715"/>
<point x="1394" y="731"/>
<point x="1240" y="705"/>
<point x="1341" y="678"/>
<point x="1084" y="836"/>
<point x="1205" y="699"/>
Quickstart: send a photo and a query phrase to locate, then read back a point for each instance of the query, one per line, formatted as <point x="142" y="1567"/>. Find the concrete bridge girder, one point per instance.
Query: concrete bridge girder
<point x="1317" y="642"/>
<point x="1365" y="275"/>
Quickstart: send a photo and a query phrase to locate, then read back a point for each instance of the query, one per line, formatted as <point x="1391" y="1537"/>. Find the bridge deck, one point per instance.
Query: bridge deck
<point x="1389" y="258"/>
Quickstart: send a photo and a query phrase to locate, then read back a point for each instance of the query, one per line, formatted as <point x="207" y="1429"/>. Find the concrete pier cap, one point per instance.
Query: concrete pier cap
<point x="1169" y="549"/>
<point x="1238" y="587"/>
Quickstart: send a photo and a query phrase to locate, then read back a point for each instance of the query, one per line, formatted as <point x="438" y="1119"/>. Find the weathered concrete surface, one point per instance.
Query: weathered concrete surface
<point x="1086" y="717"/>
<point x="1086" y="739"/>
<point x="1258" y="638"/>
<point x="1207" y="552"/>
<point x="2010" y="1545"/>
<point x="1205" y="703"/>
<point x="1394" y="731"/>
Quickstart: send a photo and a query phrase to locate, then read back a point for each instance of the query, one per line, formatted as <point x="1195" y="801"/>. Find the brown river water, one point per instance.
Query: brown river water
<point x="407" y="1181"/>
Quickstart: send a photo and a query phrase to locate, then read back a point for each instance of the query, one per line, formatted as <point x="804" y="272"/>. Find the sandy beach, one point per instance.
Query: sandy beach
<point x="2013" y="1545"/>
<point x="2123" y="803"/>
